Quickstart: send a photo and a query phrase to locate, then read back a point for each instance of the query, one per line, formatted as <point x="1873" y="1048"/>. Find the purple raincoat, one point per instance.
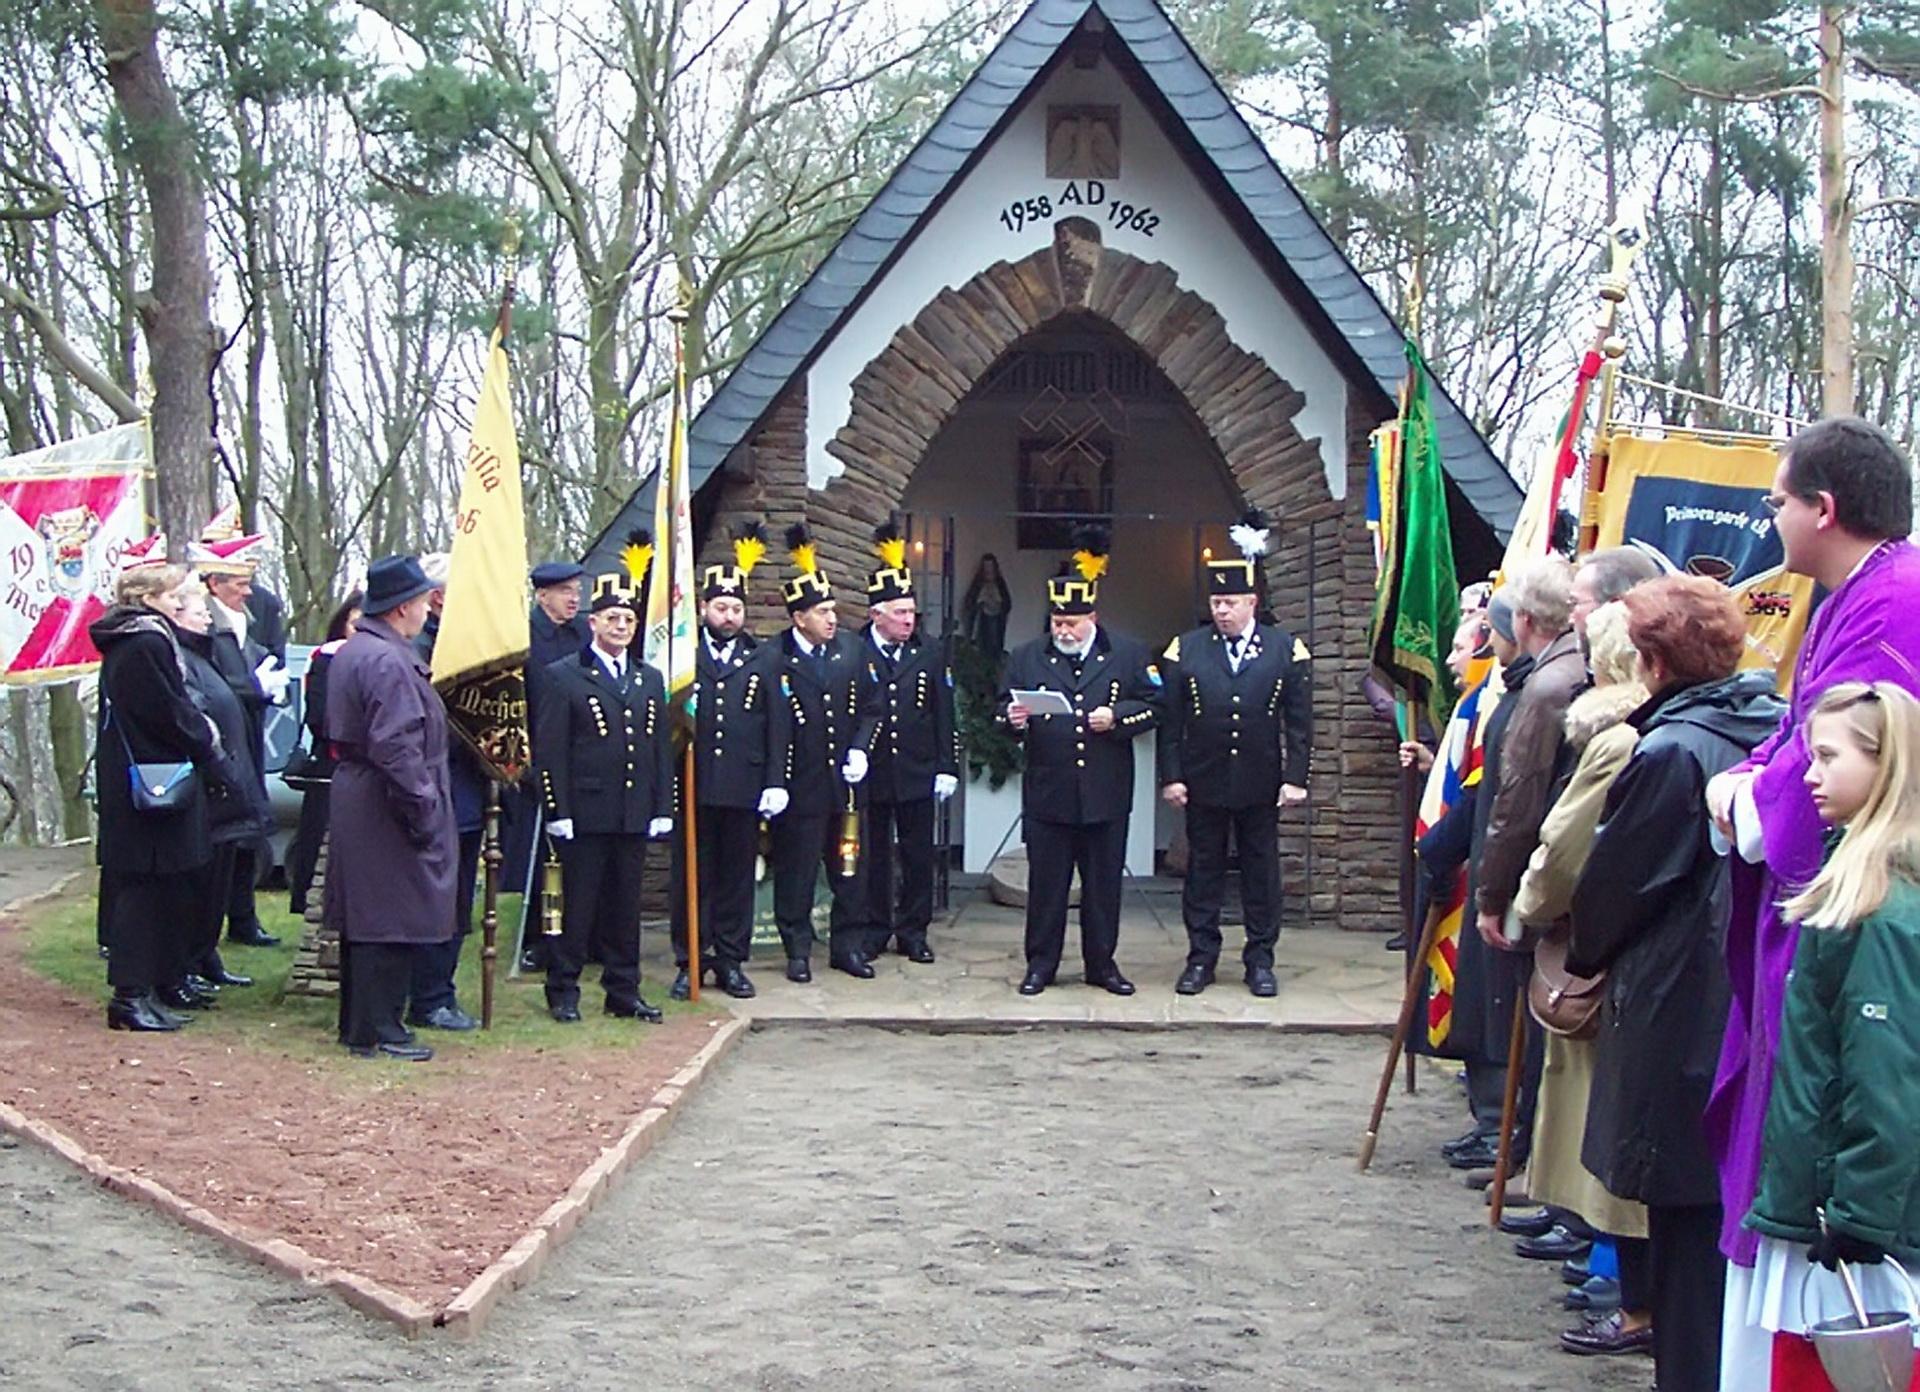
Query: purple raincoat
<point x="1868" y="630"/>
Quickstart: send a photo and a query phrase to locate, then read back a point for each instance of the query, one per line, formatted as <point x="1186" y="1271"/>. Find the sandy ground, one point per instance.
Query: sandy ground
<point x="859" y="1209"/>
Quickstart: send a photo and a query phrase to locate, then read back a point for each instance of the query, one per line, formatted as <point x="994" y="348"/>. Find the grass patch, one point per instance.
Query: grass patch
<point x="60" y="945"/>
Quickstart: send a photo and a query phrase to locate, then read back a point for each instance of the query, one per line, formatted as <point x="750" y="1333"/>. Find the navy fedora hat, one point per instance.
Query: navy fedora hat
<point x="392" y="581"/>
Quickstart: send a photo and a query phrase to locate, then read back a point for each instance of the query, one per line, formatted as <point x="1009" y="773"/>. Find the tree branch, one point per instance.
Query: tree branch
<point x="61" y="349"/>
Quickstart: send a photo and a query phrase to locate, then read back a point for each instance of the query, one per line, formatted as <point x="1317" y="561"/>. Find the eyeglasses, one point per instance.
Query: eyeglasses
<point x="1774" y="502"/>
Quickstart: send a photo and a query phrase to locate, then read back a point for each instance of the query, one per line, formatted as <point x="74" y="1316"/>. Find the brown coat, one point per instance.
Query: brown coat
<point x="1528" y="758"/>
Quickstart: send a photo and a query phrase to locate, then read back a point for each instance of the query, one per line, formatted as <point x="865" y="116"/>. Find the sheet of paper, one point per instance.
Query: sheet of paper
<point x="1043" y="702"/>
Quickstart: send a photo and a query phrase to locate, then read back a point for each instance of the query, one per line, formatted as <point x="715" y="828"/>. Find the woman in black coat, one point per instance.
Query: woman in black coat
<point x="316" y="774"/>
<point x="237" y="812"/>
<point x="1650" y="910"/>
<point x="148" y="859"/>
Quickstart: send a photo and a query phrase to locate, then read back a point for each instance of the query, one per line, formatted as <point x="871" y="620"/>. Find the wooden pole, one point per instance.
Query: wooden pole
<point x="1509" y="1102"/>
<point x="490" y="857"/>
<point x="1409" y="814"/>
<point x="1409" y="1002"/>
<point x="692" y="847"/>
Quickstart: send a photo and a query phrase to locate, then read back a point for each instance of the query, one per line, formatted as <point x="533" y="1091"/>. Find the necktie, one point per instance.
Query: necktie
<point x="892" y="651"/>
<point x="1233" y="652"/>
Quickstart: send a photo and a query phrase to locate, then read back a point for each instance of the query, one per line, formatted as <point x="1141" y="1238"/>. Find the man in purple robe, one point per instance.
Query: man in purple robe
<point x="1843" y="503"/>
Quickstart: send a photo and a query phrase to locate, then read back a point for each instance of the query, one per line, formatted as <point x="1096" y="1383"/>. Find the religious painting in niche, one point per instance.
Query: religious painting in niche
<point x="1083" y="142"/>
<point x="1062" y="484"/>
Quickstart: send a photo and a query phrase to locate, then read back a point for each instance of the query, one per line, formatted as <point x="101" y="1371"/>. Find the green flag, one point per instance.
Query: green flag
<point x="1416" y="605"/>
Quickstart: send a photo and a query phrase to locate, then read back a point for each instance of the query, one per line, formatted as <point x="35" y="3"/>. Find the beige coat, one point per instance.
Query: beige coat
<point x="1596" y="726"/>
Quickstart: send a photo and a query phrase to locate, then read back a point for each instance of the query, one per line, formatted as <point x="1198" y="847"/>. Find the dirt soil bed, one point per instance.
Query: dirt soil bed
<point x="415" y="1175"/>
<point x="853" y="1210"/>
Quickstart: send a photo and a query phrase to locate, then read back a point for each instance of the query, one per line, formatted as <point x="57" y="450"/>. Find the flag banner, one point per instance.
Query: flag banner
<point x="671" y="618"/>
<point x="479" y="659"/>
<point x="1417" y="600"/>
<point x="1702" y="506"/>
<point x="1456" y="768"/>
<point x="1381" y="490"/>
<point x="67" y="513"/>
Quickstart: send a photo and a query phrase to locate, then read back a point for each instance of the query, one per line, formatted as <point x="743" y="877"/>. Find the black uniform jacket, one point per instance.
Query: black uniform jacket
<point x="1234" y="737"/>
<point x="740" y="747"/>
<point x="605" y="757"/>
<point x="916" y="736"/>
<point x="828" y="707"/>
<point x="1074" y="776"/>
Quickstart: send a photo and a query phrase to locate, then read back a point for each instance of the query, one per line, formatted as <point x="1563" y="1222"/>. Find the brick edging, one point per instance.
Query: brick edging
<point x="469" y="1311"/>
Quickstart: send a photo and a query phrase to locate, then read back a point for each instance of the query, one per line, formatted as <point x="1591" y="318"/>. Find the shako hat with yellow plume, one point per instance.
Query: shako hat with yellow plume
<point x="1076" y="590"/>
<point x="1240" y="576"/>
<point x="626" y="588"/>
<point x="809" y="585"/>
<point x="892" y="580"/>
<point x="730" y="581"/>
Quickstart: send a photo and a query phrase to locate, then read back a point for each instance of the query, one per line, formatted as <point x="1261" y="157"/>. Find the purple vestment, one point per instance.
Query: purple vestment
<point x="1868" y="630"/>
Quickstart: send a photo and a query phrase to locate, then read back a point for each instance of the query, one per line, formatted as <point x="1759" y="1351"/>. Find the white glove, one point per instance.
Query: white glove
<point x="657" y="828"/>
<point x="561" y="829"/>
<point x="945" y="785"/>
<point x="855" y="767"/>
<point x="272" y="679"/>
<point x="773" y="801"/>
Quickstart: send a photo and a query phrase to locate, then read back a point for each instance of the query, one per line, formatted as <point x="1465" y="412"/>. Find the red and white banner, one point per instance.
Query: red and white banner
<point x="66" y="514"/>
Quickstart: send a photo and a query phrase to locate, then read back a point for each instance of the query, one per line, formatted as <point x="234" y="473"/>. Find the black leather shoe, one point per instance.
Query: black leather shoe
<point x="1111" y="982"/>
<point x="1034" y="983"/>
<point x="921" y="953"/>
<point x="1472" y="1138"/>
<point x="200" y="985"/>
<point x="447" y="1017"/>
<point x="531" y="964"/>
<point x="1526" y="1224"/>
<point x="799" y="969"/>
<point x="137" y="1013"/>
<point x="635" y="1009"/>
<point x="1396" y="943"/>
<point x="1262" y="982"/>
<point x="223" y="977"/>
<point x="1597" y="1294"/>
<point x="1480" y="1155"/>
<point x="253" y="935"/>
<point x="183" y="998"/>
<point x="1606" y="1335"/>
<point x="1195" y="979"/>
<point x="565" y="1014"/>
<point x="402" y="1053"/>
<point x="682" y="988"/>
<point x="854" y="964"/>
<point x="1555" y="1244"/>
<point x="1575" y="1272"/>
<point x="735" y="983"/>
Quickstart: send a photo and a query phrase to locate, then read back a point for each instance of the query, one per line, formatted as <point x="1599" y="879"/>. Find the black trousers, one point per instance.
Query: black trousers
<point x="800" y="844"/>
<point x="150" y="921"/>
<point x="1636" y="1272"/>
<point x="1054" y="851"/>
<point x="241" y="911"/>
<point x="373" y="992"/>
<point x="726" y="839"/>
<point x="1689" y="1289"/>
<point x="1256" y="830"/>
<point x="436" y="964"/>
<point x="200" y="950"/>
<point x="602" y="878"/>
<point x="303" y="852"/>
<point x="905" y="827"/>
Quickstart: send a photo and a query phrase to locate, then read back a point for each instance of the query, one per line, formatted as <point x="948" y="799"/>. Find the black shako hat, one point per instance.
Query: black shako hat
<point x="1076" y="589"/>
<point x="392" y="581"/>
<point x="1240" y="576"/>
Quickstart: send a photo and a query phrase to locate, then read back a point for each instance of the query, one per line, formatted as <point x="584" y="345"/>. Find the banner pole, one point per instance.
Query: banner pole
<point x="490" y="857"/>
<point x="691" y="844"/>
<point x="1409" y="1002"/>
<point x="1409" y="895"/>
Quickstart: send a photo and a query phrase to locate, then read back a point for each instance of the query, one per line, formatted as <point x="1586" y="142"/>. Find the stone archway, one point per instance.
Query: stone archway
<point x="906" y="394"/>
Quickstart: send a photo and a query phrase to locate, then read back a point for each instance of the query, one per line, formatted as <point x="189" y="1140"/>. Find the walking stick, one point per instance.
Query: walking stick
<point x="1516" y="1047"/>
<point x="1409" y="1003"/>
<point x="490" y="913"/>
<point x="690" y="839"/>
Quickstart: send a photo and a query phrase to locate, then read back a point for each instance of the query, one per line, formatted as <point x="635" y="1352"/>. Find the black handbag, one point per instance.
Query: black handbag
<point x="155" y="787"/>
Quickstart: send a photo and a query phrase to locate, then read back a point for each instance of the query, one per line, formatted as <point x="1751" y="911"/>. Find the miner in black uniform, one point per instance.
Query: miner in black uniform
<point x="1077" y="792"/>
<point x="830" y="711"/>
<point x="556" y="628"/>
<point x="739" y="774"/>
<point x="1238" y="729"/>
<point x="603" y="746"/>
<point x="916" y="751"/>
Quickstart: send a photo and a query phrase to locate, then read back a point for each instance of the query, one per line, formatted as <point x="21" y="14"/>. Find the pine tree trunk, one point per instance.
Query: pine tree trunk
<point x="174" y="312"/>
<point x="67" y="724"/>
<point x="1836" y="217"/>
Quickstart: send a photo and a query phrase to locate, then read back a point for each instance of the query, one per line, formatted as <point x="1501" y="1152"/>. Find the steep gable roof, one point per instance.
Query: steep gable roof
<point x="1324" y="284"/>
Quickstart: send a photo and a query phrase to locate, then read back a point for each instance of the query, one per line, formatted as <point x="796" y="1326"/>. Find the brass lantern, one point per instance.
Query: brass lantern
<point x="850" y="839"/>
<point x="552" y="896"/>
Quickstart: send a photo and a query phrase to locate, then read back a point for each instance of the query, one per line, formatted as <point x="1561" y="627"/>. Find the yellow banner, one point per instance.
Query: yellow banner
<point x="1701" y="505"/>
<point x="484" y="624"/>
<point x="671" y="617"/>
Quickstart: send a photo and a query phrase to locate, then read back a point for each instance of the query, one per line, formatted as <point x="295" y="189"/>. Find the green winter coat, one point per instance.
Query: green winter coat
<point x="1843" y="1124"/>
